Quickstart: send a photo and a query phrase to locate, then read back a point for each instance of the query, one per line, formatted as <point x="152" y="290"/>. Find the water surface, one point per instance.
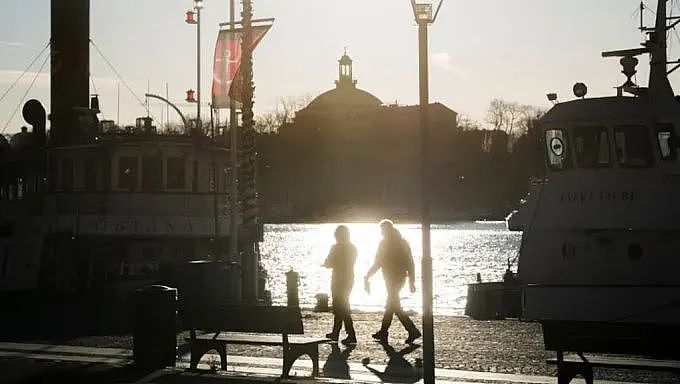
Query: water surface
<point x="459" y="252"/>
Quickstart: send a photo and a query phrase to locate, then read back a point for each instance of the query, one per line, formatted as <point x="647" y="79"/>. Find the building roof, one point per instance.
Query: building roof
<point x="344" y="97"/>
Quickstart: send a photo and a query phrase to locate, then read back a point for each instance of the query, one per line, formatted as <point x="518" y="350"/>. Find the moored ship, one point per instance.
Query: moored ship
<point x="598" y="259"/>
<point x="89" y="206"/>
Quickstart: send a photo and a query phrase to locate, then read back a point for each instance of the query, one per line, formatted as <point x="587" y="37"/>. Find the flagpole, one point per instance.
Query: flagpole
<point x="198" y="68"/>
<point x="233" y="128"/>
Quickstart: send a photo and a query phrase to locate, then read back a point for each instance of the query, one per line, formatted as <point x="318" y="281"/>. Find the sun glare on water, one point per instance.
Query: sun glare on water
<point x="459" y="252"/>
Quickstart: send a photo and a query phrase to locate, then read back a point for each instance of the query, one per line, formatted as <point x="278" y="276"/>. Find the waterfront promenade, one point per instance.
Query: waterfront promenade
<point x="467" y="351"/>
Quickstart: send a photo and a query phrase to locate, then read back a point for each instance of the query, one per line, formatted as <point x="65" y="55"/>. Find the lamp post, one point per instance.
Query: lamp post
<point x="198" y="5"/>
<point x="425" y="14"/>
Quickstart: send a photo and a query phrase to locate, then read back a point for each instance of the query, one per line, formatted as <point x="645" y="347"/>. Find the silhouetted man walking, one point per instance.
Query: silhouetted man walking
<point x="395" y="258"/>
<point x="341" y="259"/>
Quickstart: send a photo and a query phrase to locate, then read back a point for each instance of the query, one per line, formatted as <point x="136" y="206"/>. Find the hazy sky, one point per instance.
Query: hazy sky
<point x="517" y="50"/>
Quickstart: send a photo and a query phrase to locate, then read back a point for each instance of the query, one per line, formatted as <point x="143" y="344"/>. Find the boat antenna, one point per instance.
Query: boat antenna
<point x="642" y="16"/>
<point x="118" y="106"/>
<point x="148" y="90"/>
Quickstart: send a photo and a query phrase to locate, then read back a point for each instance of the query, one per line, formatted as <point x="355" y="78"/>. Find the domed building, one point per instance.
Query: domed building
<point x="345" y="96"/>
<point x="346" y="156"/>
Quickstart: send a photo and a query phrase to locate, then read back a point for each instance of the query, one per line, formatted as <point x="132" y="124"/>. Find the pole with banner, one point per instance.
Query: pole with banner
<point x="230" y="89"/>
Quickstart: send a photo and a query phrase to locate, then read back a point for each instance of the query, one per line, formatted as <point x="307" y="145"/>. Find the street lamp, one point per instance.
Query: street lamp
<point x="190" y="19"/>
<point x="424" y="16"/>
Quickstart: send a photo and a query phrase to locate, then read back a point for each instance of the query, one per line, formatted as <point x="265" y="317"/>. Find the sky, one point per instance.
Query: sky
<point x="515" y="50"/>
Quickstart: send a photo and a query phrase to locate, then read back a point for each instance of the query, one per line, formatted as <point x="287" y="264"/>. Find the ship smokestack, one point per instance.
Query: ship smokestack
<point x="70" y="71"/>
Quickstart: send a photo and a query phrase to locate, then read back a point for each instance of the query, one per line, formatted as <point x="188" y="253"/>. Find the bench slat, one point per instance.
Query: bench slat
<point x="272" y="340"/>
<point x="622" y="362"/>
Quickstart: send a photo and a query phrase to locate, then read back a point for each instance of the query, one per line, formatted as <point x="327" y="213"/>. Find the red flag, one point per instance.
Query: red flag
<point x="227" y="61"/>
<point x="227" y="81"/>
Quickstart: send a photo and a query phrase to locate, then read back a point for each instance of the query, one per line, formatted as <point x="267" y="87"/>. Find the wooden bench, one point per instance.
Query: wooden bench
<point x="217" y="320"/>
<point x="569" y="366"/>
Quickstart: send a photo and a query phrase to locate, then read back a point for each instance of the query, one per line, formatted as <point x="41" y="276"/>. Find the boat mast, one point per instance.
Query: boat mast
<point x="659" y="86"/>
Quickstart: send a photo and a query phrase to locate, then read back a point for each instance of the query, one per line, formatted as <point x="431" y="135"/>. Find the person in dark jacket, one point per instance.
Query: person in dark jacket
<point x="341" y="260"/>
<point x="396" y="261"/>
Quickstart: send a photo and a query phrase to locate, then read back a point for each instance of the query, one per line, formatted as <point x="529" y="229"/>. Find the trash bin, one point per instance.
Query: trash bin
<point x="154" y="329"/>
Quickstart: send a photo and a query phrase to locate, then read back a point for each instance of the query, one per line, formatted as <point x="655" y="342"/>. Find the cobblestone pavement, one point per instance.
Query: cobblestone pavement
<point x="508" y="346"/>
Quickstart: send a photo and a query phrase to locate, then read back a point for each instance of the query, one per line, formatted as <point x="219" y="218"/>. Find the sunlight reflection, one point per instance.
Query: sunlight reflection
<point x="459" y="251"/>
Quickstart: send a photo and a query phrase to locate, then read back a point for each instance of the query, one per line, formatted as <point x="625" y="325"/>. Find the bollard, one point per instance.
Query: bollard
<point x="154" y="333"/>
<point x="292" y="282"/>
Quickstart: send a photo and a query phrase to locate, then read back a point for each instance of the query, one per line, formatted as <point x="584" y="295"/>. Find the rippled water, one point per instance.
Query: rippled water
<point x="459" y="252"/>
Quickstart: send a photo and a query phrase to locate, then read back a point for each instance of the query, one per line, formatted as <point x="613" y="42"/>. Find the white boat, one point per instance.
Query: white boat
<point x="600" y="253"/>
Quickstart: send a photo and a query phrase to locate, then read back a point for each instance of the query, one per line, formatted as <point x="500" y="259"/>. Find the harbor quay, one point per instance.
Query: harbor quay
<point x="467" y="351"/>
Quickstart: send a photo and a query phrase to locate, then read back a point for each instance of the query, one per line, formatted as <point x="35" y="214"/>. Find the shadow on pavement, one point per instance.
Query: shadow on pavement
<point x="398" y="369"/>
<point x="336" y="365"/>
<point x="25" y="371"/>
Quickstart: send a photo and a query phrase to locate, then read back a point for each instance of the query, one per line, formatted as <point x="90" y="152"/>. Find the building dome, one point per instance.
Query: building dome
<point x="346" y="95"/>
<point x="345" y="98"/>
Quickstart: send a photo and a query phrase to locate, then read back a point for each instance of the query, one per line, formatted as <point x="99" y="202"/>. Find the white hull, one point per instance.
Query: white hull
<point x="607" y="304"/>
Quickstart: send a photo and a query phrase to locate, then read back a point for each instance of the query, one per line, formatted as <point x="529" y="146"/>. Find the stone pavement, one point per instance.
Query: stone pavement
<point x="44" y="363"/>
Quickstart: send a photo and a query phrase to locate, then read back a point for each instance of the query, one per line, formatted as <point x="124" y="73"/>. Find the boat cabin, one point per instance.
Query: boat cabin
<point x="611" y="133"/>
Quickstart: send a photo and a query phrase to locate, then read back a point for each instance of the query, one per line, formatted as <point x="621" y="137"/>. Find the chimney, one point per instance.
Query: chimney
<point x="70" y="72"/>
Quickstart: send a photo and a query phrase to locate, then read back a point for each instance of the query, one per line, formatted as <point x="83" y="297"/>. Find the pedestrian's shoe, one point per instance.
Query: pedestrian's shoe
<point x="380" y="336"/>
<point x="412" y="336"/>
<point x="332" y="336"/>
<point x="349" y="340"/>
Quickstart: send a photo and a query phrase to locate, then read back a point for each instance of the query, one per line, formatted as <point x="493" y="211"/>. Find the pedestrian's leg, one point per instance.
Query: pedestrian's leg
<point x="347" y="319"/>
<point x="405" y="320"/>
<point x="392" y="302"/>
<point x="349" y="324"/>
<point x="337" y="317"/>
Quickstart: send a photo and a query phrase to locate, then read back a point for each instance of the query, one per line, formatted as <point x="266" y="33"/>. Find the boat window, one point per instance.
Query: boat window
<point x="633" y="148"/>
<point x="176" y="173"/>
<point x="152" y="173"/>
<point x="665" y="134"/>
<point x="127" y="172"/>
<point x="591" y="147"/>
<point x="556" y="146"/>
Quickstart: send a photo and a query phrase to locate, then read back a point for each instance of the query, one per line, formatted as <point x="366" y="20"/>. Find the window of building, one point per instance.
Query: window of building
<point x="633" y="147"/>
<point x="665" y="134"/>
<point x="127" y="172"/>
<point x="152" y="173"/>
<point x="557" y="149"/>
<point x="66" y="174"/>
<point x="176" y="173"/>
<point x="591" y="147"/>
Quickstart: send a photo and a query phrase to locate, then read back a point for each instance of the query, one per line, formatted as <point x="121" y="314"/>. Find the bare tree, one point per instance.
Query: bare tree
<point x="283" y="113"/>
<point x="511" y="117"/>
<point x="495" y="115"/>
<point x="467" y="123"/>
